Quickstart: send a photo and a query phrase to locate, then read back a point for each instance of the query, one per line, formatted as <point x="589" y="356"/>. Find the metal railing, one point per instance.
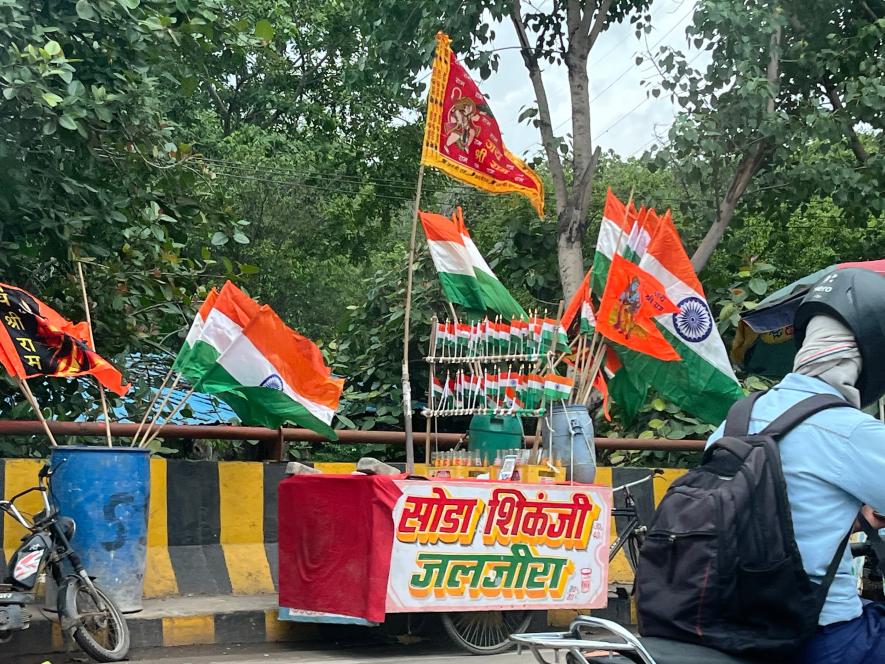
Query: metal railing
<point x="345" y="436"/>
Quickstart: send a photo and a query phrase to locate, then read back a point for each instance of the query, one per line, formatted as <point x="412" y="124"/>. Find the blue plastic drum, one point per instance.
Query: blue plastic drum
<point x="106" y="490"/>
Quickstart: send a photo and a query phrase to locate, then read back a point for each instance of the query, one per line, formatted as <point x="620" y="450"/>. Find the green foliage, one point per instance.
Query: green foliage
<point x="95" y="171"/>
<point x="370" y="352"/>
<point x="814" y="134"/>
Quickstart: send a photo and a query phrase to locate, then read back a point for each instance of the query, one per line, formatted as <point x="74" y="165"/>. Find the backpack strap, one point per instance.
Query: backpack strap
<point x="801" y="412"/>
<point x="824" y="587"/>
<point x="737" y="423"/>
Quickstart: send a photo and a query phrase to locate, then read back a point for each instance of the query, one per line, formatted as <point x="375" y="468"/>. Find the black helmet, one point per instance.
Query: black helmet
<point x="856" y="297"/>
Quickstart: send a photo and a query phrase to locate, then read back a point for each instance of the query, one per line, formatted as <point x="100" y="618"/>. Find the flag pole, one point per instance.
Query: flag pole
<point x="26" y="390"/>
<point x="156" y="418"/>
<point x="147" y="439"/>
<point x="104" y="403"/>
<point x="151" y="404"/>
<point x="407" y="390"/>
<point x="432" y="373"/>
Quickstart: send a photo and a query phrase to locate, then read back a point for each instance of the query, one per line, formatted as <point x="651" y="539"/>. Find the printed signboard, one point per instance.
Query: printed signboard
<point x="486" y="546"/>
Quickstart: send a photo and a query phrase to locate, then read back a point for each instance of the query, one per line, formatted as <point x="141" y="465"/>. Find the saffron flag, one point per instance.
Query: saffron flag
<point x="466" y="278"/>
<point x="462" y="137"/>
<point x="631" y="302"/>
<point x="704" y="383"/>
<point x="275" y="376"/>
<point x="35" y="340"/>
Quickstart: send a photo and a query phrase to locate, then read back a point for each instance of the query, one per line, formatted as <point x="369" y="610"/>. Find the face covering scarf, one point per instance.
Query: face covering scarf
<point x="830" y="353"/>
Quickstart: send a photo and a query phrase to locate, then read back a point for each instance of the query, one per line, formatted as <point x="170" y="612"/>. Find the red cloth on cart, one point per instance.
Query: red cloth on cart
<point x="335" y="541"/>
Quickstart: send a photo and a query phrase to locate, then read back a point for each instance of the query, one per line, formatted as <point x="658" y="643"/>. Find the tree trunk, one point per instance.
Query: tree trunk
<point x="572" y="197"/>
<point x="747" y="168"/>
<point x="857" y="147"/>
<point x="568" y="249"/>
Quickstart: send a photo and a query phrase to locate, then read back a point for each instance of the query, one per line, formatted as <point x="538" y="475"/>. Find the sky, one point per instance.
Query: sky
<point x="623" y="117"/>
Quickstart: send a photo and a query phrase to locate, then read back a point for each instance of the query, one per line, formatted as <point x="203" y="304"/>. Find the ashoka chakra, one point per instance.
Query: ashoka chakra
<point x="693" y="321"/>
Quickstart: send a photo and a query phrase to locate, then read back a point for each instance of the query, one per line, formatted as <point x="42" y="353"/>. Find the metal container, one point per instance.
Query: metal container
<point x="570" y="430"/>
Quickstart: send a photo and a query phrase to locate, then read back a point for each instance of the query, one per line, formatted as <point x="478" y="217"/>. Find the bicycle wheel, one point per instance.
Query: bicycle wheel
<point x="485" y="632"/>
<point x="101" y="631"/>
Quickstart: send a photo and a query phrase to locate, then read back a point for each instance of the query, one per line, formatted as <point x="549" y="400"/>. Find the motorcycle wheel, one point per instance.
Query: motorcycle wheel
<point x="100" y="630"/>
<point x="485" y="632"/>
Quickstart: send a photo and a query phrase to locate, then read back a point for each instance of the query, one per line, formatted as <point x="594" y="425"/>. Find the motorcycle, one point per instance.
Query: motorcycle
<point x="84" y="611"/>
<point x="592" y="640"/>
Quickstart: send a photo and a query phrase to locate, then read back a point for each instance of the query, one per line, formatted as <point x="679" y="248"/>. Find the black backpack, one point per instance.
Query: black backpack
<point x="720" y="566"/>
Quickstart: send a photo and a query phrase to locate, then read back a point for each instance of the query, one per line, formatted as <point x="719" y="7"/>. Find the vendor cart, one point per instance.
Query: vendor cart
<point x="485" y="555"/>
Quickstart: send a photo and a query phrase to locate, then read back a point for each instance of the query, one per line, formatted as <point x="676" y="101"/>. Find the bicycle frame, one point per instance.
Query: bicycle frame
<point x="634" y="527"/>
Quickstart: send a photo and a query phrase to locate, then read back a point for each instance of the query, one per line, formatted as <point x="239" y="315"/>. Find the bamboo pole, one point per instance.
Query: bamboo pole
<point x="26" y="390"/>
<point x="430" y="377"/>
<point x="160" y="408"/>
<point x="104" y="403"/>
<point x="147" y="440"/>
<point x="407" y="317"/>
<point x="151" y="404"/>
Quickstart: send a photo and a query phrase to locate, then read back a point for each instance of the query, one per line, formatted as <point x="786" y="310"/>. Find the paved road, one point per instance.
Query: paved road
<point x="299" y="654"/>
<point x="353" y="653"/>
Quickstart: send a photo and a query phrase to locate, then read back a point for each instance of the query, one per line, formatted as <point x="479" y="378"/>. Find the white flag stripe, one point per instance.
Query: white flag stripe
<point x="478" y="262"/>
<point x="249" y="367"/>
<point x="638" y="240"/>
<point x="610" y="237"/>
<point x="711" y="349"/>
<point x="450" y="257"/>
<point x="195" y="331"/>
<point x="219" y="331"/>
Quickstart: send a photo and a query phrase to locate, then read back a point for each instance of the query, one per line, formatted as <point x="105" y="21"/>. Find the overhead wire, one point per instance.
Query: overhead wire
<point x="626" y="71"/>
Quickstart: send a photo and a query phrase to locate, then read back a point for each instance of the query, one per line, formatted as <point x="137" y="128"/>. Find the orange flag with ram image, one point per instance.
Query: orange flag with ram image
<point x="629" y="305"/>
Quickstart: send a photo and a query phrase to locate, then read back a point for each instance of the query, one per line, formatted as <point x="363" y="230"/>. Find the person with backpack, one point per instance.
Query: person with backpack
<point x="748" y="552"/>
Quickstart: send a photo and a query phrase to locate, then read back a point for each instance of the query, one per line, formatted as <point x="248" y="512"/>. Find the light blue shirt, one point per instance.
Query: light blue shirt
<point x="834" y="463"/>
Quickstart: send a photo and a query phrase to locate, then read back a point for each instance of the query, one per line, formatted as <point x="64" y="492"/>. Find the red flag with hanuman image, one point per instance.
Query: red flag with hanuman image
<point x="462" y="137"/>
<point x="35" y="340"/>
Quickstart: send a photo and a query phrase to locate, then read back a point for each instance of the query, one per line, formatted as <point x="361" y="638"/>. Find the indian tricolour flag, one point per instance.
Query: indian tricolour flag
<point x="194" y="333"/>
<point x="703" y="382"/>
<point x="465" y="276"/>
<point x="557" y="388"/>
<point x="277" y="375"/>
<point x="219" y="321"/>
<point x="436" y="394"/>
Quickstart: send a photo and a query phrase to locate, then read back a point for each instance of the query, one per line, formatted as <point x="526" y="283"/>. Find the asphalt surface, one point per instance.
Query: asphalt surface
<point x="301" y="654"/>
<point x="374" y="649"/>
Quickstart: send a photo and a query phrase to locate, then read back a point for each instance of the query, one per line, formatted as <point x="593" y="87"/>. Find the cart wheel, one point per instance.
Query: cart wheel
<point x="486" y="632"/>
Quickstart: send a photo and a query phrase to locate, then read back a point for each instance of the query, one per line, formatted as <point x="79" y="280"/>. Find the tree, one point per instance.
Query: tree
<point x="786" y="79"/>
<point x="94" y="170"/>
<point x="399" y="36"/>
